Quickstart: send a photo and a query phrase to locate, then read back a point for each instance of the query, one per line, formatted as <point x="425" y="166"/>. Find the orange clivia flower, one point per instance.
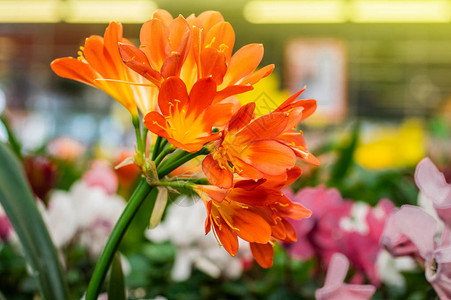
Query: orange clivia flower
<point x="255" y="211"/>
<point x="98" y="60"/>
<point x="195" y="48"/>
<point x="186" y="120"/>
<point x="165" y="43"/>
<point x="262" y="147"/>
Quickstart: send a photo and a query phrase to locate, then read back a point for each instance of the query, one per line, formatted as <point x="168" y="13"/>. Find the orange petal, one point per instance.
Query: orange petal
<point x="163" y="15"/>
<point x="256" y="197"/>
<point x="136" y="60"/>
<point x="221" y="177"/>
<point x="248" y="225"/>
<point x="290" y="232"/>
<point x="72" y="68"/>
<point x="241" y="118"/>
<point x="99" y="59"/>
<point x="195" y="144"/>
<point x="288" y="209"/>
<point x="246" y="170"/>
<point x="221" y="37"/>
<point x="266" y="127"/>
<point x="278" y="231"/>
<point x="227" y="236"/>
<point x="113" y="36"/>
<point x="290" y="100"/>
<point x="201" y="95"/>
<point x="156" y="123"/>
<point x="243" y="62"/>
<point x="211" y="192"/>
<point x="208" y="218"/>
<point x="306" y="156"/>
<point x="154" y="40"/>
<point x="213" y="63"/>
<point x="263" y="254"/>
<point x="230" y="91"/>
<point x="293" y="137"/>
<point x="210" y="18"/>
<point x="219" y="114"/>
<point x="180" y="37"/>
<point x="248" y="184"/>
<point x="257" y="75"/>
<point x="269" y="157"/>
<point x="293" y="174"/>
<point x="196" y="47"/>
<point x="172" y="65"/>
<point x="309" y="106"/>
<point x="172" y="89"/>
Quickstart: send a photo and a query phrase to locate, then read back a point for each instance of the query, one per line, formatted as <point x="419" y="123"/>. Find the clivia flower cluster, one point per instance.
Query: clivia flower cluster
<point x="182" y="80"/>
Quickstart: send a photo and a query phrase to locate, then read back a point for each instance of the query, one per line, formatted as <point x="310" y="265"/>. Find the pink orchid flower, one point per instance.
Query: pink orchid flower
<point x="334" y="287"/>
<point x="433" y="185"/>
<point x="395" y="242"/>
<point x="319" y="234"/>
<point x="420" y="228"/>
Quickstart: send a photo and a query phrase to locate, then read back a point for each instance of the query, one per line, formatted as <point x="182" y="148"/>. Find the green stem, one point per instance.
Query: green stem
<point x="118" y="232"/>
<point x="124" y="221"/>
<point x="144" y="139"/>
<point x="156" y="148"/>
<point x="201" y="181"/>
<point x="164" y="142"/>
<point x="176" y="184"/>
<point x="170" y="165"/>
<point x="136" y="124"/>
<point x="163" y="154"/>
<point x="15" y="145"/>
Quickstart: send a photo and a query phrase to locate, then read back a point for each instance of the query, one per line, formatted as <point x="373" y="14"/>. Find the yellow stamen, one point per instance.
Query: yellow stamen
<point x="211" y="43"/>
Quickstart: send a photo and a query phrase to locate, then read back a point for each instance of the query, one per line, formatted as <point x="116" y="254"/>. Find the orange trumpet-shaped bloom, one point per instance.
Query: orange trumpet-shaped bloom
<point x="98" y="60"/>
<point x="165" y="44"/>
<point x="195" y="48"/>
<point x="186" y="120"/>
<point x="262" y="147"/>
<point x="255" y="212"/>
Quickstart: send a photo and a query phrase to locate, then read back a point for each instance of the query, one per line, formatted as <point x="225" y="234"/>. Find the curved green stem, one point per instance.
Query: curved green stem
<point x="156" y="148"/>
<point x="163" y="154"/>
<point x="126" y="218"/>
<point x="137" y="125"/>
<point x="169" y="165"/>
<point x="118" y="232"/>
<point x="176" y="184"/>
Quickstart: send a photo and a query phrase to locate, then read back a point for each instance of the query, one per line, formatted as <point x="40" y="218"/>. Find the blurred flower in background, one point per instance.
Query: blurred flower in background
<point x="384" y="146"/>
<point x="66" y="148"/>
<point x="42" y="175"/>
<point x="339" y="225"/>
<point x="6" y="229"/>
<point x="334" y="287"/>
<point x="87" y="212"/>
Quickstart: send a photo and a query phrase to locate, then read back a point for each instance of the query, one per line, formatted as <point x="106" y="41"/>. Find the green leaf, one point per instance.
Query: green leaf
<point x="15" y="145"/>
<point x="19" y="204"/>
<point x="116" y="287"/>
<point x="345" y="159"/>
